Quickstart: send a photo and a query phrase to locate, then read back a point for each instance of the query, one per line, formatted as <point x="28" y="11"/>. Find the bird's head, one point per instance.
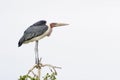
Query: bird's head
<point x="57" y="24"/>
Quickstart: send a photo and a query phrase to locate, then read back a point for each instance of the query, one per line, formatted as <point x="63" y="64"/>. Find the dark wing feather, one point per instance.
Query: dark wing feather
<point x="35" y="31"/>
<point x="31" y="32"/>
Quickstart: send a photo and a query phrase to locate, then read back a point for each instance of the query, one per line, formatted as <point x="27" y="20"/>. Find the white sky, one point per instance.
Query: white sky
<point x="87" y="49"/>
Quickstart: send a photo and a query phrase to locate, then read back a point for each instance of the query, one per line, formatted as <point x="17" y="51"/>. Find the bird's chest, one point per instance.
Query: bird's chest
<point x="50" y="31"/>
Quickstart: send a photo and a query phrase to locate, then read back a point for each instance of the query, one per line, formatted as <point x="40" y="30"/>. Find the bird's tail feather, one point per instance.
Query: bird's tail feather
<point x="20" y="41"/>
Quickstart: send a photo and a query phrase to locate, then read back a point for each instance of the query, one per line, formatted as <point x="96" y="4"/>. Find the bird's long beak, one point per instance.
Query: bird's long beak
<point x="60" y="24"/>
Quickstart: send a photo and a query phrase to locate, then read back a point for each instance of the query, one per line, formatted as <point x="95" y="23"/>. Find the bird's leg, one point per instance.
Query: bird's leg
<point x="36" y="53"/>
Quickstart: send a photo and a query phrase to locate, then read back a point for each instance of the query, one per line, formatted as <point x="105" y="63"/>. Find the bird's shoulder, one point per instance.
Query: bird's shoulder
<point x="39" y="23"/>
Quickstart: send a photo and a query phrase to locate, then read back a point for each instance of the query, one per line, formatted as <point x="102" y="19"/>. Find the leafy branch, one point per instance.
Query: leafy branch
<point x="36" y="76"/>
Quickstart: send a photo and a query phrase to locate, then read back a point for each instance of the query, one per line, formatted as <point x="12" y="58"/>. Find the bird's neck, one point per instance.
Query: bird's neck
<point x="51" y="25"/>
<point x="50" y="31"/>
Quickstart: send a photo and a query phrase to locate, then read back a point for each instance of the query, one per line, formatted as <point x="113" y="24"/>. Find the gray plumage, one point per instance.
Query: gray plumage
<point x="33" y="31"/>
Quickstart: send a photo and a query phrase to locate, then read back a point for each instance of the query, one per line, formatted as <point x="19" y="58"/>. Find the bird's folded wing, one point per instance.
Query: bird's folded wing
<point x="35" y="31"/>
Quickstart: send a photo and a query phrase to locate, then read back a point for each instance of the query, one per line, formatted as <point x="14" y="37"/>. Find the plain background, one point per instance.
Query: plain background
<point x="87" y="49"/>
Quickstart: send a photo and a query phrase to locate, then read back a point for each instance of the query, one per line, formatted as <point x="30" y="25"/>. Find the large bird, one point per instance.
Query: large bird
<point x="38" y="31"/>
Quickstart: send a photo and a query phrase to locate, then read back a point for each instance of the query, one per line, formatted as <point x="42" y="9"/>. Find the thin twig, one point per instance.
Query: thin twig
<point x="31" y="69"/>
<point x="33" y="74"/>
<point x="39" y="72"/>
<point x="49" y="65"/>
